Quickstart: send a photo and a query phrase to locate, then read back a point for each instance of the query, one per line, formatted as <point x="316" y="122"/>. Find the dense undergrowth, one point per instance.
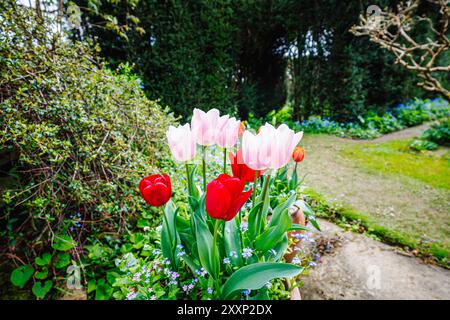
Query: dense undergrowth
<point x="75" y="138"/>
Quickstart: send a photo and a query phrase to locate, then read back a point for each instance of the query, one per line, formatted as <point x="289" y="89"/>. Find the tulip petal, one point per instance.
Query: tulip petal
<point x="237" y="204"/>
<point x="217" y="199"/>
<point x="156" y="195"/>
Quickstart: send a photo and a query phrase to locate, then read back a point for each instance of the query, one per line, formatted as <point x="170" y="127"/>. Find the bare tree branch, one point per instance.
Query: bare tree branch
<point x="393" y="32"/>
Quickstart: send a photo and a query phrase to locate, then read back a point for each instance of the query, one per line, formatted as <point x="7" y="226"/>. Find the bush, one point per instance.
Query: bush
<point x="75" y="138"/>
<point x="438" y="134"/>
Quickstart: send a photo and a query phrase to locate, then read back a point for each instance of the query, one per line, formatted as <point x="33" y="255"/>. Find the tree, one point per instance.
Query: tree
<point x="427" y="56"/>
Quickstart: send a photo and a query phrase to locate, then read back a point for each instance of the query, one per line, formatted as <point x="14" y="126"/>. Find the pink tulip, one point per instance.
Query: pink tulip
<point x="270" y="148"/>
<point x="181" y="142"/>
<point x="256" y="149"/>
<point x="227" y="133"/>
<point x="284" y="141"/>
<point x="204" y="126"/>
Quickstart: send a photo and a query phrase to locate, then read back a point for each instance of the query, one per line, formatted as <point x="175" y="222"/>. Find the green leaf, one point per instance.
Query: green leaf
<point x="274" y="234"/>
<point x="298" y="227"/>
<point x="308" y="212"/>
<point x="205" y="248"/>
<point x="256" y="275"/>
<point x="103" y="290"/>
<point x="63" y="242"/>
<point x="40" y="290"/>
<point x="91" y="286"/>
<point x="41" y="275"/>
<point x="169" y="235"/>
<point x="62" y="260"/>
<point x="277" y="212"/>
<point x="253" y="220"/>
<point x="232" y="241"/>
<point x="44" y="260"/>
<point x="21" y="275"/>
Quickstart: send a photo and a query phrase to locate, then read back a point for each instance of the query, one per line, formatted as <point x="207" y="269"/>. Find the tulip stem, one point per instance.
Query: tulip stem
<point x="265" y="187"/>
<point x="295" y="168"/>
<point x="225" y="160"/>
<point x="188" y="179"/>
<point x="255" y="180"/>
<point x="216" y="228"/>
<point x="204" y="168"/>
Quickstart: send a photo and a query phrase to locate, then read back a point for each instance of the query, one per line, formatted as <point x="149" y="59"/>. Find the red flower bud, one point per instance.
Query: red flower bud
<point x="299" y="154"/>
<point x="224" y="197"/>
<point x="240" y="169"/>
<point x="156" y="189"/>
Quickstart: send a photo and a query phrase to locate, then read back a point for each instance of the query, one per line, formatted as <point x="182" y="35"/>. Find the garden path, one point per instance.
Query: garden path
<point x="395" y="202"/>
<point x="361" y="268"/>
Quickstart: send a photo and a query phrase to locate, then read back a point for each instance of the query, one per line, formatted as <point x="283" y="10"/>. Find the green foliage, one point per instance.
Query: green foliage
<point x="21" y="275"/>
<point x="253" y="56"/>
<point x="438" y="134"/>
<point x="75" y="138"/>
<point x="255" y="276"/>
<point x="371" y="125"/>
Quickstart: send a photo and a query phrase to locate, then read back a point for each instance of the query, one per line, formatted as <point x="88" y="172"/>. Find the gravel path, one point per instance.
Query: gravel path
<point x="362" y="268"/>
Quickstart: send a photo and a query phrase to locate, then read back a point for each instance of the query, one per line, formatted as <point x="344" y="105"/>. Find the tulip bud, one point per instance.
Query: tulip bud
<point x="299" y="154"/>
<point x="241" y="128"/>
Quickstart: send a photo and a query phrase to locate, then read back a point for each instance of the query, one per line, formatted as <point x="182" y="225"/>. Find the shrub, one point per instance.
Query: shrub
<point x="75" y="138"/>
<point x="438" y="134"/>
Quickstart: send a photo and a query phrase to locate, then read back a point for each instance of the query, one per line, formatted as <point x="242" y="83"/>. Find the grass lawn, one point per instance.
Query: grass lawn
<point x="395" y="157"/>
<point x="400" y="194"/>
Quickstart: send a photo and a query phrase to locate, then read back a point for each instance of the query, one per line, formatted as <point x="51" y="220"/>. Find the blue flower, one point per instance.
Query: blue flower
<point x="246" y="292"/>
<point x="247" y="253"/>
<point x="209" y="290"/>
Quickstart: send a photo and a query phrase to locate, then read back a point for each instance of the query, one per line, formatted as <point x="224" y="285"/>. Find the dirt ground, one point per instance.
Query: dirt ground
<point x="362" y="268"/>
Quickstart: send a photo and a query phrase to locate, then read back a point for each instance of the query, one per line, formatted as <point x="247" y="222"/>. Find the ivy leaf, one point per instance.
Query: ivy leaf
<point x="41" y="275"/>
<point x="40" y="290"/>
<point x="21" y="275"/>
<point x="62" y="260"/>
<point x="63" y="242"/>
<point x="44" y="260"/>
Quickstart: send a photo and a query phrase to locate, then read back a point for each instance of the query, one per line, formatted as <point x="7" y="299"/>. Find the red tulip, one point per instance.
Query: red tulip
<point x="224" y="197"/>
<point x="240" y="169"/>
<point x="156" y="189"/>
<point x="299" y="154"/>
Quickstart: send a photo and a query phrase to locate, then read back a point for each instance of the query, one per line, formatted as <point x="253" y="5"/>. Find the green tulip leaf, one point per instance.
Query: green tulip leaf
<point x="255" y="276"/>
<point x="232" y="242"/>
<point x="21" y="275"/>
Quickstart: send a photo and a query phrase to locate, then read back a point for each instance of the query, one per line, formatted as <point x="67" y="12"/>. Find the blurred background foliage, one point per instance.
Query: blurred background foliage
<point x="253" y="56"/>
